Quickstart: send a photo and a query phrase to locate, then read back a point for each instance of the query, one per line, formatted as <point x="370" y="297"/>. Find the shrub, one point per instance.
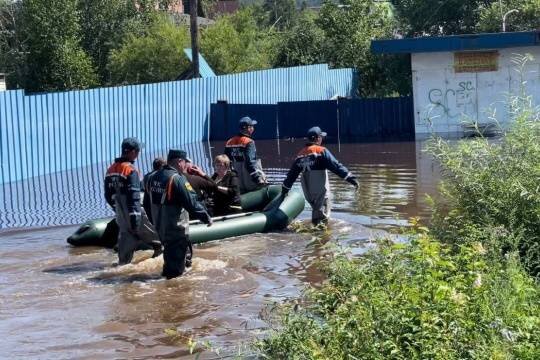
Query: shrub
<point x="415" y="301"/>
<point x="494" y="184"/>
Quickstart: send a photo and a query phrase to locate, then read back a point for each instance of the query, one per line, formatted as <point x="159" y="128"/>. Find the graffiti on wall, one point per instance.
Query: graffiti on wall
<point x="453" y="102"/>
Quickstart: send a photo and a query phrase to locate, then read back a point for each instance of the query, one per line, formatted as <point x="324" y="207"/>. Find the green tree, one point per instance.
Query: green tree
<point x="104" y="23"/>
<point x="303" y="44"/>
<point x="349" y="30"/>
<point x="55" y="59"/>
<point x="527" y="18"/>
<point x="11" y="45"/>
<point x="434" y="17"/>
<point x="281" y="14"/>
<point x="156" y="56"/>
<point x="236" y="44"/>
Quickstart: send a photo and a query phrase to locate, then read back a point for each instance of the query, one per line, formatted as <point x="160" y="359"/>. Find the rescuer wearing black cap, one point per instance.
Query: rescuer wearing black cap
<point x="243" y="155"/>
<point x="313" y="161"/>
<point x="123" y="194"/>
<point x="173" y="201"/>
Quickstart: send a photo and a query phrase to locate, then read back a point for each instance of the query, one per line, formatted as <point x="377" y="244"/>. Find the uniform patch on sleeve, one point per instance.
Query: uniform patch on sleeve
<point x="188" y="186"/>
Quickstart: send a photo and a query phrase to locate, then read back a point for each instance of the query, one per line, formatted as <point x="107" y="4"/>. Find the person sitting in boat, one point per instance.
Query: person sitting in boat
<point x="313" y="161"/>
<point x="157" y="164"/>
<point x="226" y="199"/>
<point x="173" y="202"/>
<point x="242" y="152"/>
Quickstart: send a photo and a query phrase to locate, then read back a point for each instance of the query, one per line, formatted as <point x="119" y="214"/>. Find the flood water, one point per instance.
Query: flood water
<point x="61" y="302"/>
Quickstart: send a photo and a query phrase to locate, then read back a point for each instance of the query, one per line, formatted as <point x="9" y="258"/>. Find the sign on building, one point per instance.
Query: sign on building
<point x="476" y="61"/>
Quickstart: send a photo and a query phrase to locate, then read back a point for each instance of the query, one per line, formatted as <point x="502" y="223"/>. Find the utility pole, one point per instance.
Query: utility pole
<point x="504" y="18"/>
<point x="194" y="37"/>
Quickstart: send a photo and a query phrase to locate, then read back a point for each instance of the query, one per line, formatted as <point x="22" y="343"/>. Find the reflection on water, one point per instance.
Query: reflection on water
<point x="69" y="197"/>
<point x="393" y="177"/>
<point x="62" y="302"/>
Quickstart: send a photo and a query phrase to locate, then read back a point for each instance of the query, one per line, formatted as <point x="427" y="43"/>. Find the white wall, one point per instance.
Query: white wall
<point x="446" y="99"/>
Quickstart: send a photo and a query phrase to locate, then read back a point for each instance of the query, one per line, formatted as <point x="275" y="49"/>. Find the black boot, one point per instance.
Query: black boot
<point x="158" y="250"/>
<point x="189" y="255"/>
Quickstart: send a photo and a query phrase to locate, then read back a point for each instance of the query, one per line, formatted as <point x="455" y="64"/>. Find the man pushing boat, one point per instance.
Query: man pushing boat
<point x="313" y="161"/>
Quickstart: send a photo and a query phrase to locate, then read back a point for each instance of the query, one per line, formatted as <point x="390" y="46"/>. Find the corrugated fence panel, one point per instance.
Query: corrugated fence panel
<point x="224" y="120"/>
<point x="376" y="118"/>
<point x="295" y="118"/>
<point x="46" y="133"/>
<point x="388" y="118"/>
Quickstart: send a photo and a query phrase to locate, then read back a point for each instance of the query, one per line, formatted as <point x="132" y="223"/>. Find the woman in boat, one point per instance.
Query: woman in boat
<point x="226" y="199"/>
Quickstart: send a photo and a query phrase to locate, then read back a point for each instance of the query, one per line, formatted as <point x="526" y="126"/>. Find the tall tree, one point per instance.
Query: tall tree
<point x="55" y="59"/>
<point x="302" y="44"/>
<point x="526" y="19"/>
<point x="349" y="30"/>
<point x="281" y="13"/>
<point x="12" y="58"/>
<point x="104" y="24"/>
<point x="438" y="17"/>
<point x="236" y="44"/>
<point x="155" y="56"/>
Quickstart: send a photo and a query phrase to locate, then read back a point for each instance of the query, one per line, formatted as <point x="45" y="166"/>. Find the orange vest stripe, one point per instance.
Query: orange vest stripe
<point x="239" y="140"/>
<point x="169" y="188"/>
<point x="311" y="149"/>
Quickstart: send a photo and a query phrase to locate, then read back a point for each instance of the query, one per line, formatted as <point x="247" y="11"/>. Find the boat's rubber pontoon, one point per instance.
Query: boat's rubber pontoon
<point x="264" y="210"/>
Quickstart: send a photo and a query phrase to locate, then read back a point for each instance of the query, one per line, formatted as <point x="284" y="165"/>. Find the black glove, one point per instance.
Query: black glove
<point x="352" y="180"/>
<point x="284" y="191"/>
<point x="208" y="221"/>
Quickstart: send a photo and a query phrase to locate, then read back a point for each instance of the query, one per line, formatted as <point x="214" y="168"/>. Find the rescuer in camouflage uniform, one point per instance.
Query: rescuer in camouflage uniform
<point x="173" y="201"/>
<point x="243" y="155"/>
<point x="313" y="161"/>
<point x="123" y="194"/>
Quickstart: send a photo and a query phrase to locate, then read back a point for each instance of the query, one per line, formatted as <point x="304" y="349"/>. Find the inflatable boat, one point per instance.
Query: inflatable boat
<point x="263" y="210"/>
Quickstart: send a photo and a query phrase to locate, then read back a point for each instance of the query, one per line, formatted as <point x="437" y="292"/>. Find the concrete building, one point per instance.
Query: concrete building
<point x="461" y="79"/>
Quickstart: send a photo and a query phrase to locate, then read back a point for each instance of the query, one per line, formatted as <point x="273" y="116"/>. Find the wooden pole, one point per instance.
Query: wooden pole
<point x="194" y="37"/>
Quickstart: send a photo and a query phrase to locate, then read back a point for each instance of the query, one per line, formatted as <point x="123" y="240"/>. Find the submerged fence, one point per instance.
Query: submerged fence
<point x="47" y="133"/>
<point x="351" y="119"/>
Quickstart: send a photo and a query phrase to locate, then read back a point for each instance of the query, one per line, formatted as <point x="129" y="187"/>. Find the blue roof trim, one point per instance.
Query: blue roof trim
<point x="456" y="42"/>
<point x="204" y="69"/>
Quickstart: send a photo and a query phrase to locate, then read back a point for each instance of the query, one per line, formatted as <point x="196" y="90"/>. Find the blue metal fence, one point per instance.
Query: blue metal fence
<point x="294" y="118"/>
<point x="387" y="118"/>
<point x="48" y="133"/>
<point x="350" y="119"/>
<point x="224" y="120"/>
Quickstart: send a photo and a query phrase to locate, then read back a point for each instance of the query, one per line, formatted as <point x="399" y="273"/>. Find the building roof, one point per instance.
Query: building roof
<point x="456" y="42"/>
<point x="204" y="69"/>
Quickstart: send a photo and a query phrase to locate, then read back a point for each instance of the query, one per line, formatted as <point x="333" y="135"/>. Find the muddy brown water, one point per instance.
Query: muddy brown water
<point x="60" y="302"/>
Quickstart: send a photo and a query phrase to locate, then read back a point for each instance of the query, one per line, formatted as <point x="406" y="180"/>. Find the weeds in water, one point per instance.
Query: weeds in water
<point x="303" y="227"/>
<point x="200" y="348"/>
